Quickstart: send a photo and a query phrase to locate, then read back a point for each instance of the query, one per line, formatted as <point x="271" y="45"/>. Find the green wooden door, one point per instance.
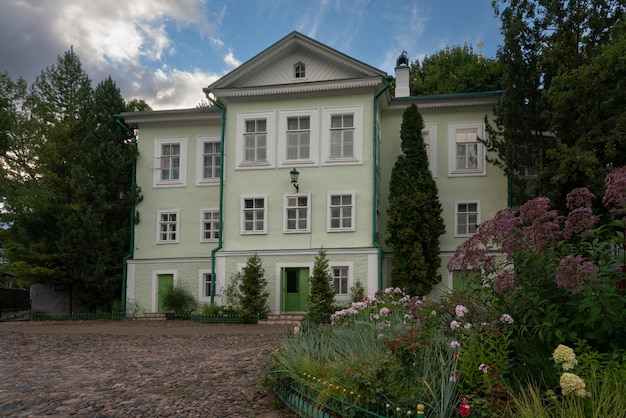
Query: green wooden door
<point x="295" y="283"/>
<point x="165" y="283"/>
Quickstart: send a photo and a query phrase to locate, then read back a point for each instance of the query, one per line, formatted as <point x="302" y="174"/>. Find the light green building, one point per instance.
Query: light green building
<point x="217" y="181"/>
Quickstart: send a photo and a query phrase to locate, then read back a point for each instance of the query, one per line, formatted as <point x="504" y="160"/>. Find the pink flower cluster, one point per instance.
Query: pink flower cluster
<point x="615" y="196"/>
<point x="573" y="271"/>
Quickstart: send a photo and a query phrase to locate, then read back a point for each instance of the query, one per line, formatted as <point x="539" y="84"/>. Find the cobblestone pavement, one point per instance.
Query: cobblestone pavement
<point x="136" y="369"/>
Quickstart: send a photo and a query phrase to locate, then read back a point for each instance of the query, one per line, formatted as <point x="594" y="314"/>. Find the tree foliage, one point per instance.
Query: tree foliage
<point x="562" y="108"/>
<point x="321" y="299"/>
<point x="66" y="182"/>
<point x="415" y="221"/>
<point x="455" y="69"/>
<point x="253" y="296"/>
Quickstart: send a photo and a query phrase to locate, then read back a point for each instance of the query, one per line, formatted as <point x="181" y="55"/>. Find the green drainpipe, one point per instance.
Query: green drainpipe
<point x="132" y="211"/>
<point x="388" y="79"/>
<point x="221" y="207"/>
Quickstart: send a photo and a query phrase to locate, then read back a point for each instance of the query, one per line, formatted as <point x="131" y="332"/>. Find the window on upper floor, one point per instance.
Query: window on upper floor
<point x="209" y="160"/>
<point x="298" y="140"/>
<point x="429" y="133"/>
<point x="297" y="213"/>
<point x="170" y="155"/>
<point x="299" y="70"/>
<point x="253" y="219"/>
<point x="467" y="218"/>
<point x="467" y="156"/>
<point x="210" y="225"/>
<point x="340" y="212"/>
<point x="167" y="227"/>
<point x="255" y="140"/>
<point x="343" y="135"/>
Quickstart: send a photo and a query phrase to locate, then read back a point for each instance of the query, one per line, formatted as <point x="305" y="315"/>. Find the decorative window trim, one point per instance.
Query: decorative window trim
<point x="202" y="221"/>
<point x="329" y="227"/>
<point x="181" y="181"/>
<point x="201" y="286"/>
<point x="158" y="227"/>
<point x="242" y="216"/>
<point x="200" y="179"/>
<point x="350" y="266"/>
<point x="327" y="113"/>
<point x="286" y="198"/>
<point x="313" y="159"/>
<point x="270" y="120"/>
<point x="480" y="170"/>
<point x="456" y="216"/>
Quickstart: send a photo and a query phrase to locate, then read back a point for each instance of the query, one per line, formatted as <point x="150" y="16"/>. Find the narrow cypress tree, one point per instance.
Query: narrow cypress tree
<point x="322" y="294"/>
<point x="252" y="289"/>
<point x="415" y="221"/>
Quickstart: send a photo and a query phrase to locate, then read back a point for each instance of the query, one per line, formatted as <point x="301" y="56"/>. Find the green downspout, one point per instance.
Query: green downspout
<point x="132" y="211"/>
<point x="221" y="207"/>
<point x="388" y="79"/>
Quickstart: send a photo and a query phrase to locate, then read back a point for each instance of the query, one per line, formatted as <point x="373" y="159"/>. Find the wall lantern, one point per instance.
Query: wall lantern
<point x="294" y="179"/>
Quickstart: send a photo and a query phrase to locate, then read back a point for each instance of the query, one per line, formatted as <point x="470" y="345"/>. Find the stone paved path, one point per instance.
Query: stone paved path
<point x="136" y="369"/>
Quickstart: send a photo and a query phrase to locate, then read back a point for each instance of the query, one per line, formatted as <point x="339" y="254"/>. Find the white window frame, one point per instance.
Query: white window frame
<point x="242" y="215"/>
<point x="182" y="167"/>
<point x="327" y="113"/>
<point x="200" y="179"/>
<point x="329" y="227"/>
<point x="456" y="217"/>
<point x="286" y="209"/>
<point x="215" y="222"/>
<point x="313" y="159"/>
<point x="480" y="169"/>
<point x="338" y="264"/>
<point x="177" y="229"/>
<point x="270" y="126"/>
<point x="431" y="130"/>
<point x="299" y="75"/>
<point x="202" y="286"/>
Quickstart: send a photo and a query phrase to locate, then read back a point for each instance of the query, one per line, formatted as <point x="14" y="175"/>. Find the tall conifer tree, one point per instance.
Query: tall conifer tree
<point x="415" y="221"/>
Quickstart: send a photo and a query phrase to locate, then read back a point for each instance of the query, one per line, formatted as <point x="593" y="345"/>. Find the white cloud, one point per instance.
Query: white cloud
<point x="175" y="89"/>
<point x="231" y="60"/>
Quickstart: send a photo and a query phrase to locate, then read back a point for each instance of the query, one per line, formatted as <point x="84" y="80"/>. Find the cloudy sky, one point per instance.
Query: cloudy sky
<point x="166" y="51"/>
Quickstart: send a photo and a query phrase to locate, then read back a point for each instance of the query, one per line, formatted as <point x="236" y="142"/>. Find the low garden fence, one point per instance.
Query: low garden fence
<point x="310" y="402"/>
<point x="42" y="316"/>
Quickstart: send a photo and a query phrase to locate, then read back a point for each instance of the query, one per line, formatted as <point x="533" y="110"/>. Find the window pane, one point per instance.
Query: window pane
<point x="335" y="121"/>
<point x="348" y="121"/>
<point x="261" y="125"/>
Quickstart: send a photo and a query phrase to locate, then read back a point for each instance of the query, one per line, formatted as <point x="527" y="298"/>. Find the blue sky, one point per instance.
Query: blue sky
<point x="166" y="51"/>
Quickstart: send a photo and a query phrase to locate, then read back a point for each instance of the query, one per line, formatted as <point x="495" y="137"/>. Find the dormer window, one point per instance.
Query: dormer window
<point x="299" y="70"/>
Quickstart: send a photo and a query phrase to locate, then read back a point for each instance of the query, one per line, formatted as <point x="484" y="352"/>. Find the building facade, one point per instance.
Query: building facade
<point x="218" y="186"/>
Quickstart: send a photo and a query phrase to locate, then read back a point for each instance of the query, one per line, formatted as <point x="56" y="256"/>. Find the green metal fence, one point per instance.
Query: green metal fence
<point x="42" y="316"/>
<point x="309" y="402"/>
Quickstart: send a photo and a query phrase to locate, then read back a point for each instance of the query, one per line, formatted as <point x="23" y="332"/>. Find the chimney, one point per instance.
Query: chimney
<point x="402" y="76"/>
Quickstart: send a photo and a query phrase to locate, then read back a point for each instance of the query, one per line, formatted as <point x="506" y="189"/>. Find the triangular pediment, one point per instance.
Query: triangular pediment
<point x="295" y="59"/>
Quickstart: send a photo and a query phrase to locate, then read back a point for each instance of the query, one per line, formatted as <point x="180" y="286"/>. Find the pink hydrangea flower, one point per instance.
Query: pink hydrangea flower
<point x="454" y="325"/>
<point x="460" y="310"/>
<point x="384" y="311"/>
<point x="506" y="319"/>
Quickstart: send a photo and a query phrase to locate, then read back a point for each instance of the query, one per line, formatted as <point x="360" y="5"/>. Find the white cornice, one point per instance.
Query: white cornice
<point x="178" y="115"/>
<point x="299" y="87"/>
<point x="438" y="103"/>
